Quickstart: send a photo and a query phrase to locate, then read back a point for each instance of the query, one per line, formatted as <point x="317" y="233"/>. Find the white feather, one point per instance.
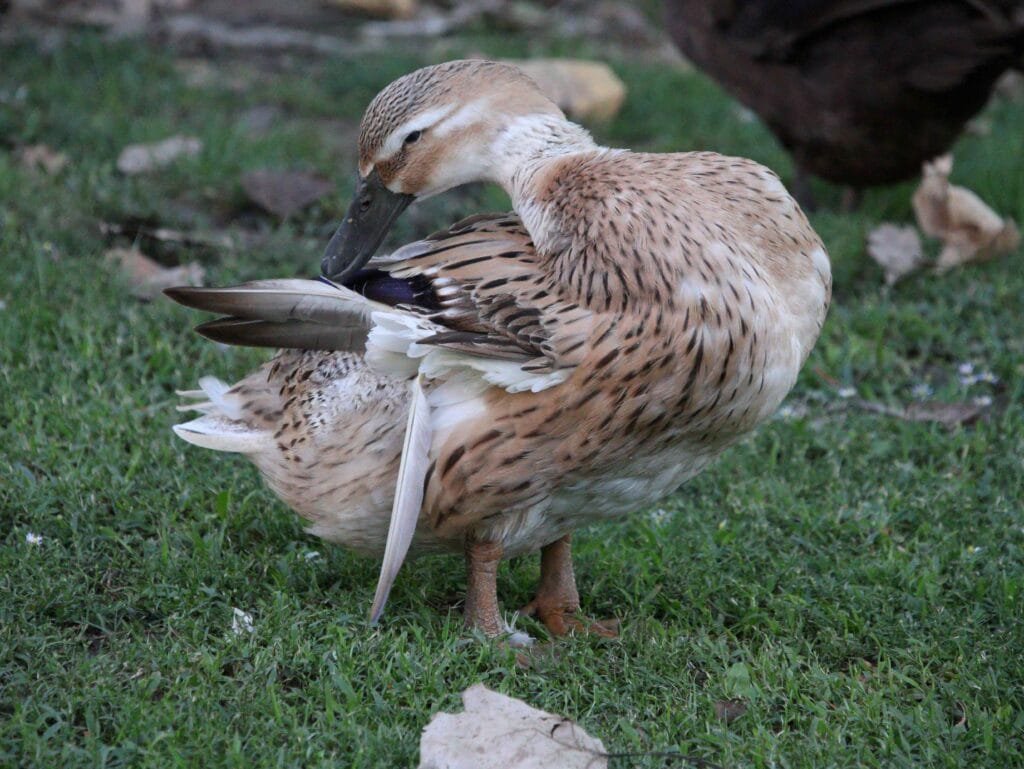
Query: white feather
<point x="408" y="495"/>
<point x="393" y="347"/>
<point x="214" y="431"/>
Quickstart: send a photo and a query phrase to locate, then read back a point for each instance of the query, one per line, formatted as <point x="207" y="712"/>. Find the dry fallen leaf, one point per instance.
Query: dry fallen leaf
<point x="148" y="278"/>
<point x="284" y="193"/>
<point x="970" y="231"/>
<point x="499" y="732"/>
<point x="40" y="156"/>
<point x="896" y="249"/>
<point x="729" y="710"/>
<point x="140" y="158"/>
<point x="586" y="90"/>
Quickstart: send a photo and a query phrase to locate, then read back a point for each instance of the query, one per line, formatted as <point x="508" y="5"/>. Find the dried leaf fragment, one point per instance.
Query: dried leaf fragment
<point x="284" y="193"/>
<point x="896" y="249"/>
<point x="969" y="229"/>
<point x="140" y="158"/>
<point x="729" y="710"/>
<point x="40" y="156"/>
<point x="499" y="732"/>
<point x="148" y="278"/>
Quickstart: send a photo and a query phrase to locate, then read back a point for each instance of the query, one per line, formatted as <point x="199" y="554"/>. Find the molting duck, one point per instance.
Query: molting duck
<point x="495" y="386"/>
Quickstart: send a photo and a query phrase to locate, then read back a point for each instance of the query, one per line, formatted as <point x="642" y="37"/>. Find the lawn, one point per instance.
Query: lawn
<point x="856" y="580"/>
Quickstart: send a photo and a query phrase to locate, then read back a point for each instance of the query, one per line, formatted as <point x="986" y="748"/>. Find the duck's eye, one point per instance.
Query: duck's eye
<point x="413" y="137"/>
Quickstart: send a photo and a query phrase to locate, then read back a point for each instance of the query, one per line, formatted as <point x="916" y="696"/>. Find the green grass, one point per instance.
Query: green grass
<point x="858" y="580"/>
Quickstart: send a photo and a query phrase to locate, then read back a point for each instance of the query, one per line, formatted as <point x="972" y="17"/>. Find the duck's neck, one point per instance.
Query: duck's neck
<point x="523" y="147"/>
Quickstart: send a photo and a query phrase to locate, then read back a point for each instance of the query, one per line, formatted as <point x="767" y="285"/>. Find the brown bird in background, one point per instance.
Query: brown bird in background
<point x="861" y="92"/>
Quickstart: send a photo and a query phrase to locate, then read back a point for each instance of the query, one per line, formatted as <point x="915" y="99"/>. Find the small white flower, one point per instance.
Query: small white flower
<point x="965" y="369"/>
<point x="658" y="515"/>
<point x="846" y="392"/>
<point x="988" y="377"/>
<point x="311" y="555"/>
<point x="241" y="621"/>
<point x="34" y="539"/>
<point x="922" y="390"/>
<point x="969" y="380"/>
<point x="982" y="401"/>
<point x="973" y="549"/>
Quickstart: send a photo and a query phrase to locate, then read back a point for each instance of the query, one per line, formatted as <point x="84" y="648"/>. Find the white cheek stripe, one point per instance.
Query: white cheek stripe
<point x="467" y="114"/>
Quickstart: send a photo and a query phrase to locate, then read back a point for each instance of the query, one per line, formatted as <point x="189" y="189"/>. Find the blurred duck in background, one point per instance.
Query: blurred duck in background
<point x="861" y="92"/>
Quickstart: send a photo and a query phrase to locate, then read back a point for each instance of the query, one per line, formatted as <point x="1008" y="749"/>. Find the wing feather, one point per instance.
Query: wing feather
<point x="405" y="512"/>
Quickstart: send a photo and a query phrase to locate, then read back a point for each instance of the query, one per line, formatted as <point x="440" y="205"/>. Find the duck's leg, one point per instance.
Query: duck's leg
<point x="482" y="559"/>
<point x="557" y="602"/>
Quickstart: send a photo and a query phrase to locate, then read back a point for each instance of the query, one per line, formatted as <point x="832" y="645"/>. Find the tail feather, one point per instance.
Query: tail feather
<point x="308" y="314"/>
<point x="214" y="431"/>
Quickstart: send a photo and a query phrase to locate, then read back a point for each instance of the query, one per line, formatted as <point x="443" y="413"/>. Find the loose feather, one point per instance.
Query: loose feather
<point x="408" y="496"/>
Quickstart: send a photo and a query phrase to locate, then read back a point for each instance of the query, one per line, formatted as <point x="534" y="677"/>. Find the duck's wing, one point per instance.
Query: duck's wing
<point x="490" y="305"/>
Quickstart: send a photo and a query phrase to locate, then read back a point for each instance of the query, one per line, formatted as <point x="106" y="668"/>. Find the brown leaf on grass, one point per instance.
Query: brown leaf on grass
<point x="970" y="231"/>
<point x="896" y="249"/>
<point x="499" y="732"/>
<point x="148" y="278"/>
<point x="40" y="156"/>
<point x="946" y="414"/>
<point x="141" y="158"/>
<point x="729" y="710"/>
<point x="284" y="193"/>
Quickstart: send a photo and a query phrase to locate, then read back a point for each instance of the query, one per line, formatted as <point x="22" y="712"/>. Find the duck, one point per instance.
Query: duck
<point x="495" y="386"/>
<point x="860" y="93"/>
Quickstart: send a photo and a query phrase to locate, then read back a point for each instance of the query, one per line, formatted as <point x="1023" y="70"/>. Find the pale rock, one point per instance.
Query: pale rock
<point x="585" y="90"/>
<point x="499" y="732"/>
<point x="140" y="158"/>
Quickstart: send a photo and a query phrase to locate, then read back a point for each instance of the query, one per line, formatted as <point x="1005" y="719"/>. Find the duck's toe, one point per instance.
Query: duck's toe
<point x="561" y="620"/>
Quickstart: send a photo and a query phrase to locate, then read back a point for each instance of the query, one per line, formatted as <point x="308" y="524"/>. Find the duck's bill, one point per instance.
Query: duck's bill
<point x="373" y="210"/>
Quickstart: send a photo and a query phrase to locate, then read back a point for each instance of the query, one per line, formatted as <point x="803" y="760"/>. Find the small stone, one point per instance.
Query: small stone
<point x="284" y="193"/>
<point x="140" y="158"/>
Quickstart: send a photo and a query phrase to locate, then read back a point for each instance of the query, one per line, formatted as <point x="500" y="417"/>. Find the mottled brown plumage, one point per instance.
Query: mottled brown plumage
<point x="861" y="92"/>
<point x="578" y="359"/>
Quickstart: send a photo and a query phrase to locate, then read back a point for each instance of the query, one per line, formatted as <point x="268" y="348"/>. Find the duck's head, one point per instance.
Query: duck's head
<point x="425" y="133"/>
